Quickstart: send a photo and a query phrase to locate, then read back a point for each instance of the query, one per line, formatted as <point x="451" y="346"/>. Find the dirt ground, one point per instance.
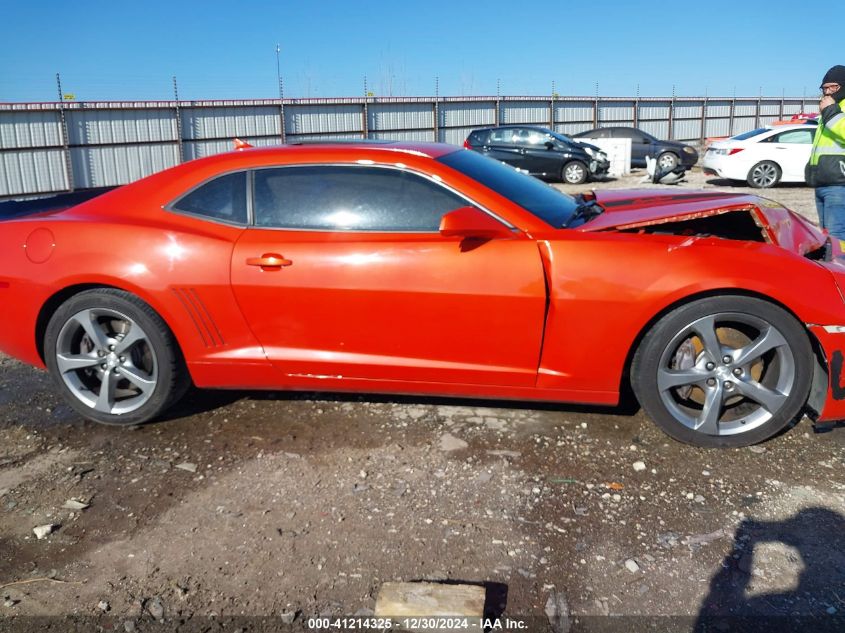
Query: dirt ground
<point x="244" y="510"/>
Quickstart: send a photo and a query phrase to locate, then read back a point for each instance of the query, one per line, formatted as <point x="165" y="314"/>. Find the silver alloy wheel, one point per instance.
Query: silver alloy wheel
<point x="764" y="175"/>
<point x="667" y="160"/>
<point x="574" y="173"/>
<point x="107" y="361"/>
<point x="726" y="374"/>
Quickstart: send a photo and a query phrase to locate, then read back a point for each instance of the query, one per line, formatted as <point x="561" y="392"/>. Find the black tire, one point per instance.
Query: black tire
<point x="668" y="161"/>
<point x="706" y="401"/>
<point x="764" y="174"/>
<point x="113" y="358"/>
<point x="574" y="173"/>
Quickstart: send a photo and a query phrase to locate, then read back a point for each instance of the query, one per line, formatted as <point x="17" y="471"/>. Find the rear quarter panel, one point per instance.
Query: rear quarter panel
<point x="178" y="265"/>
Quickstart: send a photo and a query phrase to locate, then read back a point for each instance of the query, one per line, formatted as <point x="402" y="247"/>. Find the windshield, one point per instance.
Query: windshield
<point x="746" y="135"/>
<point x="547" y="203"/>
<point x="562" y="137"/>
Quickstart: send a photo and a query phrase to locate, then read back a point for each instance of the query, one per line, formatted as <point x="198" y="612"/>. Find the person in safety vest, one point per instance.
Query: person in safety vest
<point x="826" y="169"/>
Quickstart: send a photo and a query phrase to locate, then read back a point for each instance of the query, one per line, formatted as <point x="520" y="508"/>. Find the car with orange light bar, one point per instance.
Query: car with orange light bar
<point x="426" y="269"/>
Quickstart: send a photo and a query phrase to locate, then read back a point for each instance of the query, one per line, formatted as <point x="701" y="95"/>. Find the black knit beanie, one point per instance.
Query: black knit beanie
<point x="836" y="75"/>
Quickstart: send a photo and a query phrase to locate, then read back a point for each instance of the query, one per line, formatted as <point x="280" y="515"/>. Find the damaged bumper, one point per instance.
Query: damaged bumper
<point x="827" y="398"/>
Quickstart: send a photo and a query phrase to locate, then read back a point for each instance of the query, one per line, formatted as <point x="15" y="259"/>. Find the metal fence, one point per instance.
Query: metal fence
<point x="54" y="147"/>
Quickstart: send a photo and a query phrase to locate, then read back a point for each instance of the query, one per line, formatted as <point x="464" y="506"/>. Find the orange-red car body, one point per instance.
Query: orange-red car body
<point x="536" y="313"/>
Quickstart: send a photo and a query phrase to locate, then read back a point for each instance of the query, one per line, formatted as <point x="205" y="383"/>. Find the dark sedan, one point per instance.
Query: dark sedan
<point x="540" y="152"/>
<point x="669" y="154"/>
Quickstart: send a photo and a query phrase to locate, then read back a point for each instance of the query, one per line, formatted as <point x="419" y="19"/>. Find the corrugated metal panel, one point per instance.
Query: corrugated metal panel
<point x="618" y="111"/>
<point x="654" y="110"/>
<point x="573" y="128"/>
<point x="770" y="107"/>
<point x="336" y="136"/>
<point x="478" y="114"/>
<point x="717" y="127"/>
<point x="766" y="120"/>
<point x="424" y="136"/>
<point x="244" y="121"/>
<point x="688" y="130"/>
<point x="323" y="118"/>
<point x="574" y="111"/>
<point x="660" y="129"/>
<point x="98" y="127"/>
<point x="744" y="124"/>
<point x="718" y="108"/>
<point x="32" y="171"/>
<point x="29" y="129"/>
<point x="118" y="165"/>
<point x="793" y="107"/>
<point x="454" y="135"/>
<point x="688" y="109"/>
<point x="400" y="116"/>
<point x="200" y="149"/>
<point x="533" y="112"/>
<point x="745" y="108"/>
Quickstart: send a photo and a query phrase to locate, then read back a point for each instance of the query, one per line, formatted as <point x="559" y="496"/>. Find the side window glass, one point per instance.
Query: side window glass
<point x="795" y="136"/>
<point x="536" y="138"/>
<point x="338" y="198"/>
<point x="478" y="138"/>
<point x="223" y="198"/>
<point x="503" y="136"/>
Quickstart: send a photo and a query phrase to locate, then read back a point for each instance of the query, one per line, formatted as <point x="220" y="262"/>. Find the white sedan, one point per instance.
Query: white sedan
<point x="762" y="157"/>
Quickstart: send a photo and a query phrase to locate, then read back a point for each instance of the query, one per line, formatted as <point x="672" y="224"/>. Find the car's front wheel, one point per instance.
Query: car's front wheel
<point x="113" y="357"/>
<point x="764" y="174"/>
<point x="727" y="371"/>
<point x="668" y="161"/>
<point x="574" y="173"/>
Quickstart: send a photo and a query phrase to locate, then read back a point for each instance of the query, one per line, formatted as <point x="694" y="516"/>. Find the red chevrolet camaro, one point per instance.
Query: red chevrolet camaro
<point x="427" y="269"/>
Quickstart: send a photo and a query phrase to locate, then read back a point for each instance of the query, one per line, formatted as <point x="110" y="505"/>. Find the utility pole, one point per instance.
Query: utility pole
<point x="279" y="70"/>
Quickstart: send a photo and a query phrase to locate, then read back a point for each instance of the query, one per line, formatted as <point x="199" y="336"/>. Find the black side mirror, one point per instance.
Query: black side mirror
<point x="550" y="144"/>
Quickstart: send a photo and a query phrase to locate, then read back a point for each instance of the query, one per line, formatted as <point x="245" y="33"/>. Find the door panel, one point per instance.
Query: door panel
<point x="416" y="307"/>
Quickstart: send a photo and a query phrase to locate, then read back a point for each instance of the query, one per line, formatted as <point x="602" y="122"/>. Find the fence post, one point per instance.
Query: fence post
<point x="637" y="108"/>
<point x="757" y="112"/>
<point x="436" y="109"/>
<point x="365" y="119"/>
<point x="703" y="120"/>
<point x="596" y="112"/>
<point x="282" y="124"/>
<point x="65" y="136"/>
<point x="180" y="150"/>
<point x="731" y="116"/>
<point x="672" y="116"/>
<point x="282" y="121"/>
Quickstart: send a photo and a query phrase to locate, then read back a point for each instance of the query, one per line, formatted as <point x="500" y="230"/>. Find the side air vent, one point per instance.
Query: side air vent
<point x="201" y="317"/>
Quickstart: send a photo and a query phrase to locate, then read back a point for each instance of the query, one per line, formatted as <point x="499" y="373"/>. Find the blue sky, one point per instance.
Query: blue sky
<point x="223" y="50"/>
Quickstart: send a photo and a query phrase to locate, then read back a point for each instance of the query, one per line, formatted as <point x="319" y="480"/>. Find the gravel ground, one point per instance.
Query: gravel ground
<point x="288" y="506"/>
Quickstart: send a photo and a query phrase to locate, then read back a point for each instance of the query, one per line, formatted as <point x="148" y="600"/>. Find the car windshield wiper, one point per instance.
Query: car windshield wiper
<point x="584" y="212"/>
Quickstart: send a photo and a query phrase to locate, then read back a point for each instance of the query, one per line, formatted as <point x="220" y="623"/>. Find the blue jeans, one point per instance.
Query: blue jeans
<point x="830" y="203"/>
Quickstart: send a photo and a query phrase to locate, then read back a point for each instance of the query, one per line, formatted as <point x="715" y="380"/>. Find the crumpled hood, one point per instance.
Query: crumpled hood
<point x="631" y="209"/>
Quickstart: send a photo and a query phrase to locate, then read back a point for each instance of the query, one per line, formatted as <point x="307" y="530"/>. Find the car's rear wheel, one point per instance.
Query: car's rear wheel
<point x="113" y="358"/>
<point x="574" y="173"/>
<point x="727" y="371"/>
<point x="764" y="174"/>
<point x="668" y="161"/>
